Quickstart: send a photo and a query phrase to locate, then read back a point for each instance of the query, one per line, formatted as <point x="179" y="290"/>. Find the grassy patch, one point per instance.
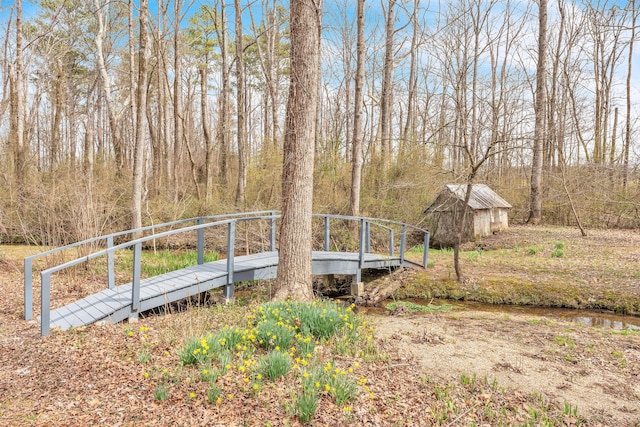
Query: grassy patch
<point x="165" y="261"/>
<point x="564" y="341"/>
<point x="534" y="266"/>
<point x="418" y="308"/>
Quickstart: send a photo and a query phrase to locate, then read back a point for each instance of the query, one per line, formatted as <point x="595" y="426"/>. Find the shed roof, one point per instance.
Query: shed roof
<point x="482" y="197"/>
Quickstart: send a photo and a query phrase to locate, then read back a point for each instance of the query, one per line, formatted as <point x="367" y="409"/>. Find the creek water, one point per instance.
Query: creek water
<point x="585" y="317"/>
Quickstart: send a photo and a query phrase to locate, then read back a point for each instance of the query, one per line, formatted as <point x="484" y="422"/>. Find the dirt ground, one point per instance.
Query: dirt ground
<point x="92" y="376"/>
<point x="593" y="369"/>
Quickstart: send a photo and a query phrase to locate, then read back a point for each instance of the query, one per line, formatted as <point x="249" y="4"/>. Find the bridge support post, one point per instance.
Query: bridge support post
<point x="200" y="242"/>
<point x="28" y="289"/>
<point x="425" y="254"/>
<point x="368" y="237"/>
<point x="326" y="234"/>
<point x="361" y="245"/>
<point x="45" y="301"/>
<point x="272" y="238"/>
<point x="403" y="241"/>
<point x="227" y="293"/>
<point x="135" y="281"/>
<point x="357" y="288"/>
<point x="111" y="276"/>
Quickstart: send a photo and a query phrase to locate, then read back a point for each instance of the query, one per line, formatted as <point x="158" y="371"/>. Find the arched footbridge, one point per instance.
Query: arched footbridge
<point x="343" y="245"/>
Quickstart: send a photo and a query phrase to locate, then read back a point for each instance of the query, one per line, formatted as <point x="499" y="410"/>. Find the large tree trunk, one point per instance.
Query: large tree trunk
<point x="535" y="212"/>
<point x="294" y="269"/>
<point x="141" y="124"/>
<point x="356" y="147"/>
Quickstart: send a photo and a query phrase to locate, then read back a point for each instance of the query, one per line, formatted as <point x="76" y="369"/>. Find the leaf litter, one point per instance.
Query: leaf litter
<point x="453" y="368"/>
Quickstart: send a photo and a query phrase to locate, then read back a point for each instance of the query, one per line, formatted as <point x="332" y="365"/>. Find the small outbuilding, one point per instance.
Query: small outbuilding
<point x="487" y="213"/>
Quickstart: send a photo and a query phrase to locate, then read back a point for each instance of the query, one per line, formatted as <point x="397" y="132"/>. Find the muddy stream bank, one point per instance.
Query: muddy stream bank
<point x="585" y="317"/>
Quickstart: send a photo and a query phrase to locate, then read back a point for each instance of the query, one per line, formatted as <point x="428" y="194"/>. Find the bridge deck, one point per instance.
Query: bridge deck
<point x="115" y="305"/>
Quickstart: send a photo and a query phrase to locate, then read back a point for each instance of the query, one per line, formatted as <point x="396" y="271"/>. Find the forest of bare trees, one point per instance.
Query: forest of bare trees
<point x="116" y="114"/>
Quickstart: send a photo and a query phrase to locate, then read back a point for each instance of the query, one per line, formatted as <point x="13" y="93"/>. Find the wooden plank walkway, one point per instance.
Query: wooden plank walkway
<point x="115" y="305"/>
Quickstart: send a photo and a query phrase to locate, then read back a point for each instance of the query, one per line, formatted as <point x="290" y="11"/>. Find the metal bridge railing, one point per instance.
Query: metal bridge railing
<point x="107" y="240"/>
<point x="230" y="221"/>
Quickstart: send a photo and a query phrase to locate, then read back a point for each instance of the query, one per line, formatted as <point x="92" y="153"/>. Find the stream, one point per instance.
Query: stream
<point x="585" y="317"/>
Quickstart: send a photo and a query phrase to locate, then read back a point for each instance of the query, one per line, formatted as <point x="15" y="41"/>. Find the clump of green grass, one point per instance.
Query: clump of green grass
<point x="275" y="365"/>
<point x="195" y="351"/>
<point x="564" y="341"/>
<point x="418" y="308"/>
<point x="161" y="392"/>
<point x="341" y="386"/>
<point x="305" y="405"/>
<point x="143" y="356"/>
<point x="213" y="393"/>
<point x="473" y="255"/>
<point x="468" y="380"/>
<point x="557" y="253"/>
<point x="275" y="334"/>
<point x="416" y="249"/>
<point x="532" y="250"/>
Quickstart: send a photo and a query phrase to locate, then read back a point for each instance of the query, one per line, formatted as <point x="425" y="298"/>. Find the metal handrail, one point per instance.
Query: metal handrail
<point x="366" y="221"/>
<point x="28" y="261"/>
<point x="230" y="221"/>
<point x="45" y="275"/>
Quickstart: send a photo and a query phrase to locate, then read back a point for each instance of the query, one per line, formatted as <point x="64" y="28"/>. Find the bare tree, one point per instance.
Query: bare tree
<point x="240" y="98"/>
<point x="535" y="210"/>
<point x="387" y="92"/>
<point x="294" y="268"/>
<point x="178" y="113"/>
<point x="106" y="83"/>
<point x="410" y="123"/>
<point x="627" y="142"/>
<point x="132" y="79"/>
<point x="141" y="124"/>
<point x="17" y="102"/>
<point x="605" y="33"/>
<point x="356" y="146"/>
<point x="222" y="132"/>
